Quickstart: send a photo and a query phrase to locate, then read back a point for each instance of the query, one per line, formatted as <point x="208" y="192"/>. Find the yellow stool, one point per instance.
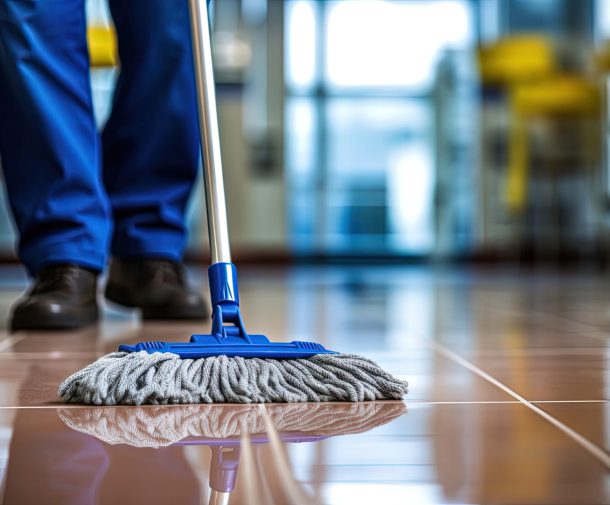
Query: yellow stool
<point x="102" y="46"/>
<point x="516" y="59"/>
<point x="557" y="97"/>
<point x="524" y="67"/>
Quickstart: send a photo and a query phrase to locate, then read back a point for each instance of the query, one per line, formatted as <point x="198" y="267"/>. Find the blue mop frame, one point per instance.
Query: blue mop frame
<point x="229" y="336"/>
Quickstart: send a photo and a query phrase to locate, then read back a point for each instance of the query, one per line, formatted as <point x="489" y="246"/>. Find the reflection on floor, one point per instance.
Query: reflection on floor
<point x="508" y="399"/>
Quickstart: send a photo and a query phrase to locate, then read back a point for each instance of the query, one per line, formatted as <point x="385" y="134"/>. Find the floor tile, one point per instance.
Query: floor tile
<point x="460" y="439"/>
<point x="551" y="377"/>
<point x="591" y="420"/>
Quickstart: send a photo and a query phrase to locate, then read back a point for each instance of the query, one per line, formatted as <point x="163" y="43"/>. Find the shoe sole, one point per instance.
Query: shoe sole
<point x="119" y="297"/>
<point x="46" y="321"/>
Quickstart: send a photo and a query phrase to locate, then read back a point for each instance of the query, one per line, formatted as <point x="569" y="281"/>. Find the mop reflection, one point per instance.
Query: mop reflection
<point x="235" y="435"/>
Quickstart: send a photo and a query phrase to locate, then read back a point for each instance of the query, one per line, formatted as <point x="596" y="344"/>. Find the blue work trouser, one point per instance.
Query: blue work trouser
<point x="75" y="194"/>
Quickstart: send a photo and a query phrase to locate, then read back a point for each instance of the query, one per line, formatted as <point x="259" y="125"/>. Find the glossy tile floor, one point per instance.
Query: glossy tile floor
<point x="508" y="400"/>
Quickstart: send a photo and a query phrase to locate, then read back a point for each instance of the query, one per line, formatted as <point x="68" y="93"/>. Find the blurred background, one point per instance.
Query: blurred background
<point x="411" y="130"/>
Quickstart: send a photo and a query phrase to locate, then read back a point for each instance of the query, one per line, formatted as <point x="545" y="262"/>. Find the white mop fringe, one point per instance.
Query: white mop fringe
<point x="164" y="378"/>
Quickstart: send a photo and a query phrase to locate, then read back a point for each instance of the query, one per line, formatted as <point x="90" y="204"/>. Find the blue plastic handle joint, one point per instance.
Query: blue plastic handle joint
<point x="224" y="292"/>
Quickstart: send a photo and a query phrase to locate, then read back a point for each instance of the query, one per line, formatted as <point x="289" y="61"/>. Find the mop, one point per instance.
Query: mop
<point x="229" y="365"/>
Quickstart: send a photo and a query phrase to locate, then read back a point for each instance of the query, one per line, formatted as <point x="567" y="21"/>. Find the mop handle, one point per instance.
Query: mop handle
<point x="210" y="141"/>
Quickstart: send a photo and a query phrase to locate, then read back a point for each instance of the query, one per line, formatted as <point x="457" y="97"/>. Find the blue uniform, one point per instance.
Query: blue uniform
<point x="75" y="194"/>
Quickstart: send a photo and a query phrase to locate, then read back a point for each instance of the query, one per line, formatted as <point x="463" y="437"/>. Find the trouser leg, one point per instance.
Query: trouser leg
<point x="48" y="137"/>
<point x="150" y="143"/>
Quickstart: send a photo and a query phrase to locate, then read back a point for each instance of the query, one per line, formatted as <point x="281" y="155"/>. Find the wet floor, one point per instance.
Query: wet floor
<point x="508" y="400"/>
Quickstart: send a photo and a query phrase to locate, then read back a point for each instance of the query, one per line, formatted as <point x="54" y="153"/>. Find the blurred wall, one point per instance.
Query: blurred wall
<point x="370" y="128"/>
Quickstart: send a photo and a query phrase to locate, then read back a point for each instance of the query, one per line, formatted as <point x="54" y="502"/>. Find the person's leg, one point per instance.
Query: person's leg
<point x="50" y="156"/>
<point x="48" y="138"/>
<point x="150" y="142"/>
<point x="151" y="155"/>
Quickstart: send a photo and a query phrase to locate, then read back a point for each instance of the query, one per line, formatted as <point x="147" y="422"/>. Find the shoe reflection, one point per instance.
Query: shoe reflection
<point x="225" y="429"/>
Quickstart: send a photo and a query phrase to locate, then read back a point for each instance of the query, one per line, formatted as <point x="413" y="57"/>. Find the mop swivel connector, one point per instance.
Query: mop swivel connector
<point x="224" y="293"/>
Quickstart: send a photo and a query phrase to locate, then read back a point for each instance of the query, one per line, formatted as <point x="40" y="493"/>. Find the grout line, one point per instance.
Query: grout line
<point x="568" y="401"/>
<point x="178" y="406"/>
<point x="7" y="353"/>
<point x="600" y="454"/>
<point x="594" y="337"/>
<point x="541" y="351"/>
<point x="448" y="402"/>
<point x="573" y="321"/>
<point x="592" y="327"/>
<point x="49" y="355"/>
<point x="492" y="402"/>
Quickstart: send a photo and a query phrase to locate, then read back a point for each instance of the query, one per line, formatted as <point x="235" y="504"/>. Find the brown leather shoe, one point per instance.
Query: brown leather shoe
<point x="156" y="286"/>
<point x="63" y="296"/>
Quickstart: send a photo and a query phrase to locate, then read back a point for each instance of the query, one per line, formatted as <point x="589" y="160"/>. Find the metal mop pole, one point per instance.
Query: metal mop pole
<point x="224" y="292"/>
<point x="210" y="140"/>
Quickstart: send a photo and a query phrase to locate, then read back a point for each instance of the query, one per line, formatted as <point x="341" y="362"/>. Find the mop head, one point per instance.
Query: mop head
<point x="162" y="426"/>
<point x="162" y="378"/>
